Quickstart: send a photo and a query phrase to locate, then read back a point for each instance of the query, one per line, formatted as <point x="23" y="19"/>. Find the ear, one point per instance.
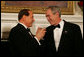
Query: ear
<point x="24" y="17"/>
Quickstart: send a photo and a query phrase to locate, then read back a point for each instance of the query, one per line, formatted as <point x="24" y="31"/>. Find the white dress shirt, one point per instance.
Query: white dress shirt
<point x="58" y="33"/>
<point x="30" y="33"/>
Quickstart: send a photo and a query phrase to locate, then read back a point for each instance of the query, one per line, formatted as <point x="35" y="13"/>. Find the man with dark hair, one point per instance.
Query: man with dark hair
<point x="23" y="12"/>
<point x="62" y="38"/>
<point x="22" y="41"/>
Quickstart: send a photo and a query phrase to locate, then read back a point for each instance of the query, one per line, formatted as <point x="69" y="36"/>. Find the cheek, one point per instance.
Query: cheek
<point x="54" y="18"/>
<point x="48" y="18"/>
<point x="27" y="21"/>
<point x="31" y="21"/>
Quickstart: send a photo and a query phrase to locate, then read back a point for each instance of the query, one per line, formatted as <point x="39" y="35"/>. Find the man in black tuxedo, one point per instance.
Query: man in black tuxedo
<point x="22" y="41"/>
<point x="62" y="38"/>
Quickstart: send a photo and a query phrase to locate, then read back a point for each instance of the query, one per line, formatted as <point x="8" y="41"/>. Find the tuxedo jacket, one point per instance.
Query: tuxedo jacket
<point x="21" y="43"/>
<point x="70" y="42"/>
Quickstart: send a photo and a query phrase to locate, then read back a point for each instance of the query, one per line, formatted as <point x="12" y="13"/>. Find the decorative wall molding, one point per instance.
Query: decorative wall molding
<point x="40" y="17"/>
<point x="9" y="20"/>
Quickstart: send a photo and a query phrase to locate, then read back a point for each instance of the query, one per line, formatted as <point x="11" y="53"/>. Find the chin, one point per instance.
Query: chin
<point x="30" y="25"/>
<point x="52" y="24"/>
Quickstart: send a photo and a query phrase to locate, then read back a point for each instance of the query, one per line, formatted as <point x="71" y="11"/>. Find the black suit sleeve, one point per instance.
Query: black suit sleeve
<point x="78" y="41"/>
<point x="23" y="45"/>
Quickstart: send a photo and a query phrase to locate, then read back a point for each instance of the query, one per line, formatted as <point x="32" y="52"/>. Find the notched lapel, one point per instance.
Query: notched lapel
<point x="63" y="36"/>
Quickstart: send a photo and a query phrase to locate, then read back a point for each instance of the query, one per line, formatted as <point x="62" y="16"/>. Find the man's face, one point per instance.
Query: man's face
<point x="29" y="19"/>
<point x="52" y="18"/>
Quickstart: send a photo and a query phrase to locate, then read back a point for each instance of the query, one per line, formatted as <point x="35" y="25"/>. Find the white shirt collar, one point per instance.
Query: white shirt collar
<point x="61" y="23"/>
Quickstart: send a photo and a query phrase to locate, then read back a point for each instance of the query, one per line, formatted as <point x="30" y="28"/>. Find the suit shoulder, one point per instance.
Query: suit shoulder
<point x="16" y="29"/>
<point x="69" y="24"/>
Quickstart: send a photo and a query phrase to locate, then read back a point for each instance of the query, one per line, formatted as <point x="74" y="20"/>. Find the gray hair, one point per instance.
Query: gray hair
<point x="55" y="9"/>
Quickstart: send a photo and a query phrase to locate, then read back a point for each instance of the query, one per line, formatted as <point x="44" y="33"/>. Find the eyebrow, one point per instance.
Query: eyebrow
<point x="47" y="15"/>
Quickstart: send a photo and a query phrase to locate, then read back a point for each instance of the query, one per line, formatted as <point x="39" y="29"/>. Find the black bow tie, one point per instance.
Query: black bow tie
<point x="30" y="32"/>
<point x="28" y="29"/>
<point x="57" y="26"/>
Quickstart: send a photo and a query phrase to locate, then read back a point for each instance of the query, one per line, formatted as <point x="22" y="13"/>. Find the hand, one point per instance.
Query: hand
<point x="40" y="33"/>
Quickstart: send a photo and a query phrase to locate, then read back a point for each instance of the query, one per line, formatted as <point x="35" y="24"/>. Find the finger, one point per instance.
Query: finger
<point x="43" y="29"/>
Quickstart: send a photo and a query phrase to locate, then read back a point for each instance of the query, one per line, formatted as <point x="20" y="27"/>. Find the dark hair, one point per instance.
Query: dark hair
<point x="23" y="12"/>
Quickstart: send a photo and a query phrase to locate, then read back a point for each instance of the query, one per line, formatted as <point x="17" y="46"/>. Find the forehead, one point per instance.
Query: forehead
<point x="48" y="11"/>
<point x="30" y="12"/>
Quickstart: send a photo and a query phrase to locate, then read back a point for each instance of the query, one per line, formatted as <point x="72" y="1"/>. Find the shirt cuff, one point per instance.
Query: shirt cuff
<point x="37" y="40"/>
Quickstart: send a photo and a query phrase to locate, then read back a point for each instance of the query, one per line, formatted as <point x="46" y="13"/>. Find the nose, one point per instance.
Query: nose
<point x="48" y="18"/>
<point x="33" y="19"/>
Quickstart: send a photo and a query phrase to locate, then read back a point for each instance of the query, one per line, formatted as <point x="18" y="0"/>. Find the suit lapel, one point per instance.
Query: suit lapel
<point x="50" y="37"/>
<point x="63" y="36"/>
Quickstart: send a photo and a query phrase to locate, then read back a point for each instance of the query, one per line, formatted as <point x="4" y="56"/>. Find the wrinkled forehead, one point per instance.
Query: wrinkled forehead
<point x="30" y="12"/>
<point x="48" y="11"/>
